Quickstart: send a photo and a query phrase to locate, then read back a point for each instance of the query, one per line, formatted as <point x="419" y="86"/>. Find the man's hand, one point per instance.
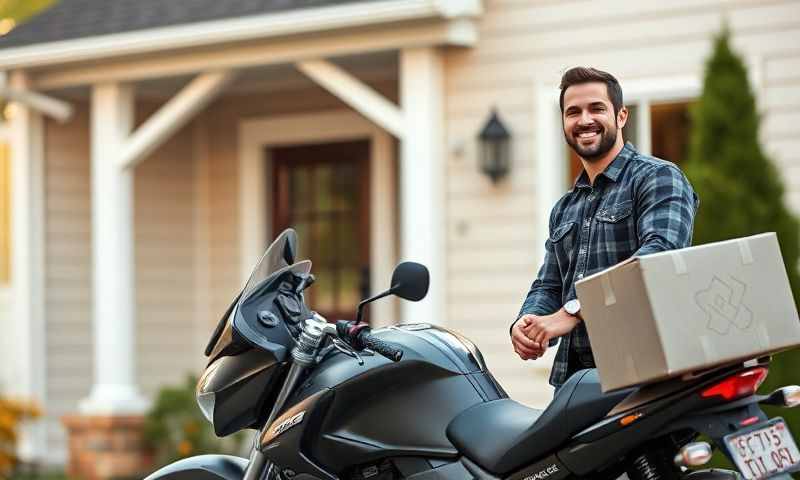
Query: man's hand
<point x="525" y="347"/>
<point x="542" y="329"/>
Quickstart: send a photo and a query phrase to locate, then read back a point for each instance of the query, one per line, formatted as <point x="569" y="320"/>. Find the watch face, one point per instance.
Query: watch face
<point x="572" y="307"/>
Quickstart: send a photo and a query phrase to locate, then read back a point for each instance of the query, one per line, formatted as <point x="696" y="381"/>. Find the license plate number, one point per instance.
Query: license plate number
<point x="764" y="450"/>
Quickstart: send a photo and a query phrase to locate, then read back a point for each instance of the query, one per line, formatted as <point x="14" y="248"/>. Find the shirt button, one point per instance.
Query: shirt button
<point x="580" y="275"/>
<point x="586" y="222"/>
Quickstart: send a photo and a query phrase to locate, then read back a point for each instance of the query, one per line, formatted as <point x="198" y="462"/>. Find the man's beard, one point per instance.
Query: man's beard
<point x="607" y="140"/>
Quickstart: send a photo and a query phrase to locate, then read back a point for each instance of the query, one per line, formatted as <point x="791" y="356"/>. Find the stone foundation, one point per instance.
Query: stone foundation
<point x="107" y="447"/>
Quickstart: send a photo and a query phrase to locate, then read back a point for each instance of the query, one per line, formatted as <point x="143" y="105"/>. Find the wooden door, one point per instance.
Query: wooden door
<point x="322" y="191"/>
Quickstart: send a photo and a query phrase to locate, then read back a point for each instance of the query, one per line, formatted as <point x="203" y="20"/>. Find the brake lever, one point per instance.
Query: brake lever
<point x="347" y="350"/>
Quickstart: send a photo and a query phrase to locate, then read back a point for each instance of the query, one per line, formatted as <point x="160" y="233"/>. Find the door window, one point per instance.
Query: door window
<point x="322" y="191"/>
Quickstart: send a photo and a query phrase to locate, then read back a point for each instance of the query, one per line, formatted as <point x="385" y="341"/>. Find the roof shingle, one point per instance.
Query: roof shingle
<point x="73" y="19"/>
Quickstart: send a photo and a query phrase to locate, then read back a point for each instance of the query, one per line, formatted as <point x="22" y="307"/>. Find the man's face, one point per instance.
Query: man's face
<point x="590" y="126"/>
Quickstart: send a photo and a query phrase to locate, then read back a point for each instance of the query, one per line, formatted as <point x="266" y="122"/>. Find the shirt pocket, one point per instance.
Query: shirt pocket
<point x="563" y="240"/>
<point x="616" y="230"/>
<point x="616" y="212"/>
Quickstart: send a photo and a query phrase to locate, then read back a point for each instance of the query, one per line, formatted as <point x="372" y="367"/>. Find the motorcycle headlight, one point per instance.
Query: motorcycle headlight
<point x="206" y="397"/>
<point x="206" y="403"/>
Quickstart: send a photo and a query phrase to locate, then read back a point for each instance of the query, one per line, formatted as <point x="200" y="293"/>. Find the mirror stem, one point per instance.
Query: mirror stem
<point x="360" y="310"/>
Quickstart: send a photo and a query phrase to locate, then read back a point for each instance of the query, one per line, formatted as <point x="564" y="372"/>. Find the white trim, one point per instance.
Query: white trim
<point x="644" y="142"/>
<point x="461" y="32"/>
<point x="258" y="134"/>
<point x="50" y="106"/>
<point x="662" y="89"/>
<point x="172" y="116"/>
<point x="360" y="96"/>
<point x="27" y="330"/>
<point x="114" y="390"/>
<point x="235" y="30"/>
<point x="551" y="174"/>
<point x="422" y="178"/>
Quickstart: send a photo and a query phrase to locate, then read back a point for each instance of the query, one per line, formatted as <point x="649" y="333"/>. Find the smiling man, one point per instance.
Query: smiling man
<point x="623" y="204"/>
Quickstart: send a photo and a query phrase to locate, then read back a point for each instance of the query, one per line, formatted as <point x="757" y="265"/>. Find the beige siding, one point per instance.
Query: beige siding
<point x="490" y="234"/>
<point x="165" y="264"/>
<point x="68" y="270"/>
<point x="164" y="269"/>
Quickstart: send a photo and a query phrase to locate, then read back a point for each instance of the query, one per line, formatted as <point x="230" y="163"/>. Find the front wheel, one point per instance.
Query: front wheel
<point x="713" y="474"/>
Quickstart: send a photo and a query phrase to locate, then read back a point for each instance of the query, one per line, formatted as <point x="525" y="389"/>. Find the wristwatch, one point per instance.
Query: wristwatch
<point x="573" y="307"/>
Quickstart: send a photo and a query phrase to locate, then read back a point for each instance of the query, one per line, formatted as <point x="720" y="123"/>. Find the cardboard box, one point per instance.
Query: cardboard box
<point x="669" y="313"/>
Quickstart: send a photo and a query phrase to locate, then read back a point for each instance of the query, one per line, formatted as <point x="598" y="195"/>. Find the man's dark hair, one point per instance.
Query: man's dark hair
<point x="579" y="75"/>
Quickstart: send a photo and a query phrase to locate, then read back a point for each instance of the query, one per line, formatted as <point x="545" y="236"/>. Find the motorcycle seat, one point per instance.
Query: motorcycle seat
<point x="503" y="435"/>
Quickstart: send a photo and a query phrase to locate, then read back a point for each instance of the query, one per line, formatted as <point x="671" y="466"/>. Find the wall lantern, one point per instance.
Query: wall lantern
<point x="494" y="141"/>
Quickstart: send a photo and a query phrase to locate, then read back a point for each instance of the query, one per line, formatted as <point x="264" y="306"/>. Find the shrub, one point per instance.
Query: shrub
<point x="176" y="428"/>
<point x="12" y="414"/>
<point x="740" y="190"/>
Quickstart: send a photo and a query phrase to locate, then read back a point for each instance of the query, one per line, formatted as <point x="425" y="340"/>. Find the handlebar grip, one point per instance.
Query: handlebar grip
<point x="388" y="350"/>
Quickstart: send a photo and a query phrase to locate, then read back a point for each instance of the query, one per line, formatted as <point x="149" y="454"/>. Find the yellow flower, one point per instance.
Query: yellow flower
<point x="191" y="427"/>
<point x="185" y="448"/>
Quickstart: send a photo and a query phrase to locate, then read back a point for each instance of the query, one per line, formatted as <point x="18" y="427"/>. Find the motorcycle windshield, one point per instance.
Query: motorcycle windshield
<point x="280" y="254"/>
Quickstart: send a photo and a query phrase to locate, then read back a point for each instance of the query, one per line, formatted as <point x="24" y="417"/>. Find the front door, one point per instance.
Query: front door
<point x="322" y="191"/>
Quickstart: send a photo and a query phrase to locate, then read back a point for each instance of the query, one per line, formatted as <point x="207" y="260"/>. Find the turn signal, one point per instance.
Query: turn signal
<point x="791" y="396"/>
<point x="693" y="455"/>
<point x="736" y="386"/>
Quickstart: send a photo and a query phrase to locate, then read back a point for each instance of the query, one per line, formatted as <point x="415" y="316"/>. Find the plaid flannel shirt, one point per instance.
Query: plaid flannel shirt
<point x="638" y="205"/>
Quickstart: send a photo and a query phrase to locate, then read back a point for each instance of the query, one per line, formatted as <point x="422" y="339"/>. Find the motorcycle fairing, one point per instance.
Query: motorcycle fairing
<point x="285" y="442"/>
<point x="203" y="467"/>
<point x="382" y="409"/>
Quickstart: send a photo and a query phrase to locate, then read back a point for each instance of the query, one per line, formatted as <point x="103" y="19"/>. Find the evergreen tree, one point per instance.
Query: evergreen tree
<point x="740" y="189"/>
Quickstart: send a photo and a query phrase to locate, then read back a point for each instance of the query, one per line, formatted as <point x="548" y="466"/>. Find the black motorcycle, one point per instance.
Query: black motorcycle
<point x="416" y="401"/>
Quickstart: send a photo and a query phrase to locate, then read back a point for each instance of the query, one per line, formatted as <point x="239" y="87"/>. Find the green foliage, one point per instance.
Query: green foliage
<point x="739" y="187"/>
<point x="176" y="428"/>
<point x="12" y="414"/>
<point x="21" y="10"/>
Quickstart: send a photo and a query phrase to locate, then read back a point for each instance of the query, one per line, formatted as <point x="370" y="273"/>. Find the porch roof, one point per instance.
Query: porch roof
<point x="77" y="31"/>
<point x="73" y="19"/>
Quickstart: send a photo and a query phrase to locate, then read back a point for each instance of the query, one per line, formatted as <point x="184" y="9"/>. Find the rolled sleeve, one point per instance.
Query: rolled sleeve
<point x="667" y="205"/>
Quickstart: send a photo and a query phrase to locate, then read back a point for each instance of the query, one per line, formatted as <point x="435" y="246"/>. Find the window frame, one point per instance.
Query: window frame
<point x="5" y="138"/>
<point x="646" y="93"/>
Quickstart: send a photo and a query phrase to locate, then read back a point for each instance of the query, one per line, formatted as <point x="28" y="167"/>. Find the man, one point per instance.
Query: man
<point x="623" y="204"/>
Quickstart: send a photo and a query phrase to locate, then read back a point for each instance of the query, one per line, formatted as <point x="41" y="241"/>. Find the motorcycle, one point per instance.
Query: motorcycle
<point x="416" y="401"/>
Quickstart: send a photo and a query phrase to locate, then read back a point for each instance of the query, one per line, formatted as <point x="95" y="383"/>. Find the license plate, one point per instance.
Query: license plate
<point x="764" y="450"/>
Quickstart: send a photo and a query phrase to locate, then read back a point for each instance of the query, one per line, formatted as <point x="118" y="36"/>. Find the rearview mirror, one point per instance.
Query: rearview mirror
<point x="410" y="281"/>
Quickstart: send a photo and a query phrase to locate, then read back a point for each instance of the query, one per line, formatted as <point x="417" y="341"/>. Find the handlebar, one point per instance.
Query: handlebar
<point x="388" y="350"/>
<point x="359" y="337"/>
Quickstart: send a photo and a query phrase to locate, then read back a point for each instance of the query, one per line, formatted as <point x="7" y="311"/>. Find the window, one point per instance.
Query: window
<point x="6" y="113"/>
<point x="660" y="129"/>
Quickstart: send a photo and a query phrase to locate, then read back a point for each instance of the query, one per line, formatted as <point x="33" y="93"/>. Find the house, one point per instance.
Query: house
<point x="154" y="147"/>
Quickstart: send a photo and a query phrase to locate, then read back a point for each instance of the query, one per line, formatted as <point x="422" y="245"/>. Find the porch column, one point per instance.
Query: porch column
<point x="114" y="391"/>
<point x="26" y="325"/>
<point x="422" y="187"/>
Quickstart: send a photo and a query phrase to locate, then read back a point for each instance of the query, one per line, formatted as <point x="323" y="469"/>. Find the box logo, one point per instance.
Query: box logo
<point x="724" y="307"/>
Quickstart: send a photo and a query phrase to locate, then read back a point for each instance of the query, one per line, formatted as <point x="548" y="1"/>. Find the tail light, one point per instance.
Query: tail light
<point x="738" y="385"/>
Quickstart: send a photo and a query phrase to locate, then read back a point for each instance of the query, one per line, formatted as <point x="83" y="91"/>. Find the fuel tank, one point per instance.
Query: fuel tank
<point x="349" y="412"/>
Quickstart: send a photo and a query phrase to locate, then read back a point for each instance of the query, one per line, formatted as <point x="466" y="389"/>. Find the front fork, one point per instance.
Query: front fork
<point x="303" y="357"/>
